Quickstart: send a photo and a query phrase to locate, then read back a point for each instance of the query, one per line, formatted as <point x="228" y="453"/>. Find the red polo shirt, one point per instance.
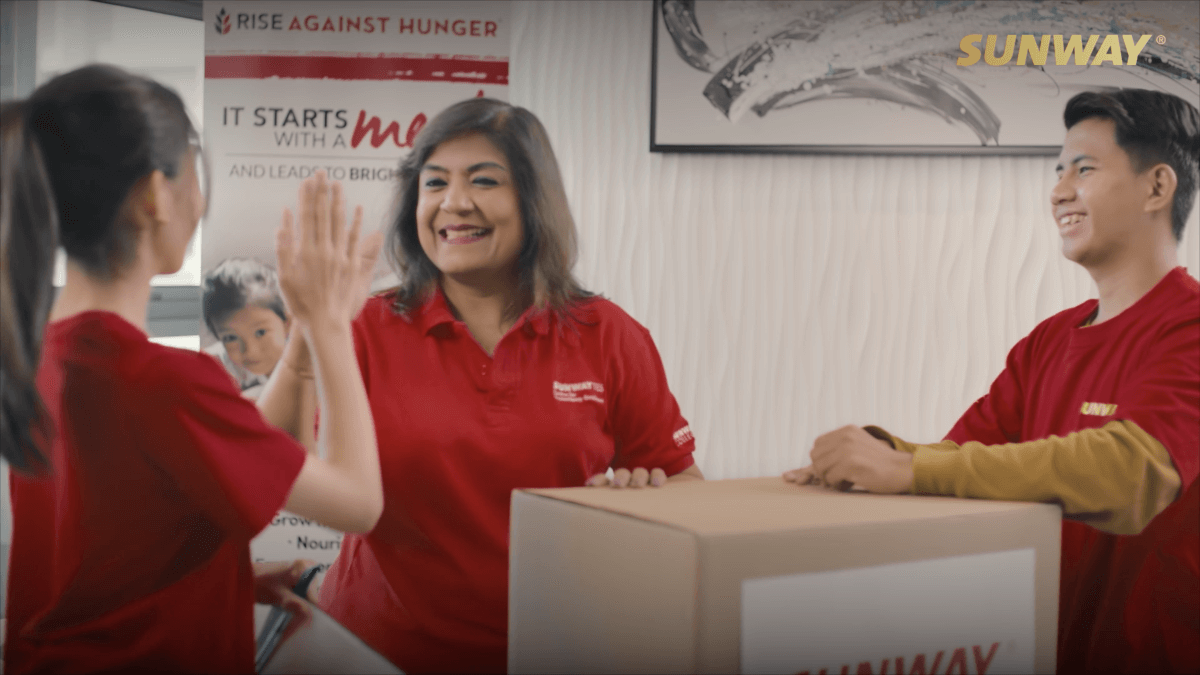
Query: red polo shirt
<point x="133" y="554"/>
<point x="558" y="402"/>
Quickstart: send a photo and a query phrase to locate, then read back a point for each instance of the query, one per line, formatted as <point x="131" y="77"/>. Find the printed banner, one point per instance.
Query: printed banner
<point x="291" y="88"/>
<point x="965" y="614"/>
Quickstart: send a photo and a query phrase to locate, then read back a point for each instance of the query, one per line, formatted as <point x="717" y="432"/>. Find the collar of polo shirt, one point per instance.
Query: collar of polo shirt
<point x="436" y="312"/>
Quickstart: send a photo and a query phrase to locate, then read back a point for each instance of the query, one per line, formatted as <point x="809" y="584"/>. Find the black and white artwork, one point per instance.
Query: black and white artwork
<point x="920" y="76"/>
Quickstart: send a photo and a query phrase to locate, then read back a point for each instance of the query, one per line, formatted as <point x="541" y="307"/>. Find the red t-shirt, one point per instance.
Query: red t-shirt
<point x="458" y="432"/>
<point x="1127" y="603"/>
<point x="133" y="553"/>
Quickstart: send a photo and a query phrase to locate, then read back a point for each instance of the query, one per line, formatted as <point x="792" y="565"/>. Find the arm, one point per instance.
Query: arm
<point x="654" y="442"/>
<point x="332" y="489"/>
<point x="320" y="265"/>
<point x="289" y="398"/>
<point x="1115" y="478"/>
<point x="997" y="416"/>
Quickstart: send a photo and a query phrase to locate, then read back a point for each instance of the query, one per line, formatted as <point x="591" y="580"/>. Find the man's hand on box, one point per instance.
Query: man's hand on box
<point x="849" y="456"/>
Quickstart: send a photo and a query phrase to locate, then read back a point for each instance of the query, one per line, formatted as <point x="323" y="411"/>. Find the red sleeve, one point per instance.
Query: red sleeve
<point x="996" y="417"/>
<point x="650" y="432"/>
<point x="1164" y="400"/>
<point x="224" y="456"/>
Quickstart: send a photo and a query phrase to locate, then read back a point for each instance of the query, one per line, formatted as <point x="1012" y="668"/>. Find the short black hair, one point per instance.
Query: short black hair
<point x="1152" y="127"/>
<point x="236" y="283"/>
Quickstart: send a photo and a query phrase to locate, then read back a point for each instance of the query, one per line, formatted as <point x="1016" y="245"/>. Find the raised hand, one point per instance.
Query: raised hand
<point x="323" y="264"/>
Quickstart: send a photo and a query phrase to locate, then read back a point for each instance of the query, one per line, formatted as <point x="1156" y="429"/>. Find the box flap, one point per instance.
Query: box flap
<point x="753" y="505"/>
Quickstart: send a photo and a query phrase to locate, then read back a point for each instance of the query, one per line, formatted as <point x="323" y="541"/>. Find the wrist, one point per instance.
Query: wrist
<point x="295" y="354"/>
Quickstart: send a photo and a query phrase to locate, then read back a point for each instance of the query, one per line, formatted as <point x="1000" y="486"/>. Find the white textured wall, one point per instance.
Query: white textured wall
<point x="790" y="295"/>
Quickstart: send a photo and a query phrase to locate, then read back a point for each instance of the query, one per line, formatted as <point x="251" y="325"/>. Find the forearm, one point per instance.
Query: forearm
<point x="1115" y="478"/>
<point x="347" y="435"/>
<point x="289" y="398"/>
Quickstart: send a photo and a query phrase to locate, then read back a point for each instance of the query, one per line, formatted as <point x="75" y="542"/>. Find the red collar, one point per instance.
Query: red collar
<point x="436" y="312"/>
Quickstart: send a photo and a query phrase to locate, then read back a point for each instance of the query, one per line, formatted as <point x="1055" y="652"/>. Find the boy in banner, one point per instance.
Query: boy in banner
<point x="244" y="310"/>
<point x="1098" y="409"/>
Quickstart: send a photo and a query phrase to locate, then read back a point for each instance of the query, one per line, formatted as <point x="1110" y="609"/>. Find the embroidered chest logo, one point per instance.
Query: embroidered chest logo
<point x="1100" y="409"/>
<point x="578" y="392"/>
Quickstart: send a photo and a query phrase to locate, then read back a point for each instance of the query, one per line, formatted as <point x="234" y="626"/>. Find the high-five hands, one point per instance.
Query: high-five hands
<point x="322" y="262"/>
<point x="849" y="456"/>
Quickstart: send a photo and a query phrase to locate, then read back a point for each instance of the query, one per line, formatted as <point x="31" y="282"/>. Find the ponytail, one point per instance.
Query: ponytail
<point x="28" y="240"/>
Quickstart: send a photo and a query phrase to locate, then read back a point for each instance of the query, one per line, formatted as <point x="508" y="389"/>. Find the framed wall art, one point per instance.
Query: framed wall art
<point x="923" y="76"/>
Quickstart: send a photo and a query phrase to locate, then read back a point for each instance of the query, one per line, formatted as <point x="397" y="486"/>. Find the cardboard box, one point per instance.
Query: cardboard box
<point x="762" y="576"/>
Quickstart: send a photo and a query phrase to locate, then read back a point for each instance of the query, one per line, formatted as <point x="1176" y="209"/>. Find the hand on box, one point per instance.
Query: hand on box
<point x="637" y="478"/>
<point x="322" y="262"/>
<point x="273" y="582"/>
<point x="849" y="456"/>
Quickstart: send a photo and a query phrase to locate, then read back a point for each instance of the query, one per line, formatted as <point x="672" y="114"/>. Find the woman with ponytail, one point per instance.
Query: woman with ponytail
<point x="140" y="473"/>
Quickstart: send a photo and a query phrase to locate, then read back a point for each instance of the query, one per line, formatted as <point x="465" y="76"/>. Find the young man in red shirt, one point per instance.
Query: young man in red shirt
<point x="1098" y="409"/>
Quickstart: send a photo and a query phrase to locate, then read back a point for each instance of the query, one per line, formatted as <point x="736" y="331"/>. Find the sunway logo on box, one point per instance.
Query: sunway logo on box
<point x="958" y="664"/>
<point x="314" y="23"/>
<point x="1035" y="49"/>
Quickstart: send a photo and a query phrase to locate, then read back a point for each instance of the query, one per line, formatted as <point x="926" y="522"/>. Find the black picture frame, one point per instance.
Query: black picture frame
<point x="1150" y="62"/>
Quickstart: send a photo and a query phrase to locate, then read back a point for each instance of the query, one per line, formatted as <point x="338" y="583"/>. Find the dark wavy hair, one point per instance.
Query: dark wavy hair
<point x="1152" y="127"/>
<point x="549" y="250"/>
<point x="73" y="152"/>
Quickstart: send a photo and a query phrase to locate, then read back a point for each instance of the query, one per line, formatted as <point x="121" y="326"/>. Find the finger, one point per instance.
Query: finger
<point x="839" y="476"/>
<point x="298" y="567"/>
<point x="301" y="613"/>
<point x="321" y="210"/>
<point x="354" y="241"/>
<point x="337" y="217"/>
<point x="822" y="446"/>
<point x="621" y="478"/>
<point x="372" y="244"/>
<point x="314" y="589"/>
<point x="800" y="476"/>
<point x="285" y="243"/>
<point x="599" y="480"/>
<point x="306" y="227"/>
<point x="639" y="478"/>
<point x="658" y="477"/>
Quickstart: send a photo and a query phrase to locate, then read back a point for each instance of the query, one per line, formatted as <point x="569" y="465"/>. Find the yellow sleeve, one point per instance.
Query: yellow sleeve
<point x="1115" y="478"/>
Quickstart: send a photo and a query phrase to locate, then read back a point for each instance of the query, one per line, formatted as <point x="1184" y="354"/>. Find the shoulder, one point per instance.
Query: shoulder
<point x="1180" y="297"/>
<point x="1058" y="326"/>
<point x="380" y="310"/>
<point x="1175" y="312"/>
<point x="603" y="315"/>
<point x="169" y="374"/>
<point x="604" y="327"/>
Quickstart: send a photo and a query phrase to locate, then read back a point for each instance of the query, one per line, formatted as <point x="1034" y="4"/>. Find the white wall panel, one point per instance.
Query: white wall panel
<point x="789" y="295"/>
